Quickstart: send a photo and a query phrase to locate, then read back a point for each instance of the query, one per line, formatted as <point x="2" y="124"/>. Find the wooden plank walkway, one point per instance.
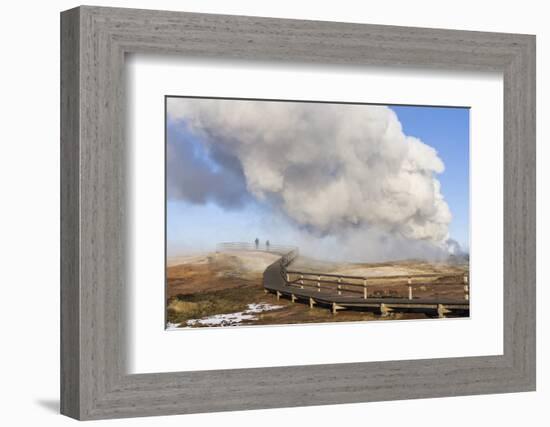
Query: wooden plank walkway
<point x="274" y="282"/>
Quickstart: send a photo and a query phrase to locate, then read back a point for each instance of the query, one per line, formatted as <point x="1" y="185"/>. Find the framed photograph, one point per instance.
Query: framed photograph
<point x="352" y="216"/>
<point x="262" y="213"/>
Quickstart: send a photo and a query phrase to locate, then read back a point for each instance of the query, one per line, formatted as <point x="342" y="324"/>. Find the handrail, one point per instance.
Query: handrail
<point x="400" y="276"/>
<point x="305" y="279"/>
<point x="343" y="284"/>
<point x="246" y="246"/>
<point x="251" y="245"/>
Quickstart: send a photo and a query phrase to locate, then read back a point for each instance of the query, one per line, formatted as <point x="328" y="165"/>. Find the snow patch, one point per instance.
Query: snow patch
<point x="232" y="319"/>
<point x="172" y="326"/>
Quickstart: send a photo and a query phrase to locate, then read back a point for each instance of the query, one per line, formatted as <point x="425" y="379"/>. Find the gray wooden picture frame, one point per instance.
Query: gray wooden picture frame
<point x="94" y="41"/>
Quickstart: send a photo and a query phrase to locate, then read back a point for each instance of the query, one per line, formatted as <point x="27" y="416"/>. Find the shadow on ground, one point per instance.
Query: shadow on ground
<point x="51" y="405"/>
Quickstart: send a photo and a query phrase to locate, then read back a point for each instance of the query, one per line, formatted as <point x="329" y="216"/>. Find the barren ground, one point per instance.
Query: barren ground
<point x="214" y="289"/>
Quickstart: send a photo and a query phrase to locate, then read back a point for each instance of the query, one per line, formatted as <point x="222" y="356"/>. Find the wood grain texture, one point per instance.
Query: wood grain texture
<point x="94" y="196"/>
<point x="70" y="264"/>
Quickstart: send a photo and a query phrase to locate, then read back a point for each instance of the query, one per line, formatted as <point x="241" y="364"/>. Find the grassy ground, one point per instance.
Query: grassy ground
<point x="184" y="307"/>
<point x="195" y="306"/>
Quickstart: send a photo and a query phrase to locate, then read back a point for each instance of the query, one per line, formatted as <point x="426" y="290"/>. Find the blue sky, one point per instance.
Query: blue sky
<point x="448" y="131"/>
<point x="200" y="223"/>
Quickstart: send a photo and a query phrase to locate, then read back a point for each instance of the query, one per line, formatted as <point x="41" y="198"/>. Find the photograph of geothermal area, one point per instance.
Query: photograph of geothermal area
<point x="292" y="212"/>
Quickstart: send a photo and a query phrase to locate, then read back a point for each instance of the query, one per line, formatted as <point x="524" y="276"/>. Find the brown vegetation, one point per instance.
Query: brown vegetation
<point x="222" y="283"/>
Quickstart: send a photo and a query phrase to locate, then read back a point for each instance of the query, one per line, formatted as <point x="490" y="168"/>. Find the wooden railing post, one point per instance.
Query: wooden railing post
<point x="353" y="284"/>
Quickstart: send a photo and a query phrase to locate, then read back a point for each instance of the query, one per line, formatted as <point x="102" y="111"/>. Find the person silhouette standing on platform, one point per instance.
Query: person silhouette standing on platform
<point x="267" y="245"/>
<point x="257" y="243"/>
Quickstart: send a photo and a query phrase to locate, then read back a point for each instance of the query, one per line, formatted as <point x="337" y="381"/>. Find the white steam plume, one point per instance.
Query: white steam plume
<point x="330" y="168"/>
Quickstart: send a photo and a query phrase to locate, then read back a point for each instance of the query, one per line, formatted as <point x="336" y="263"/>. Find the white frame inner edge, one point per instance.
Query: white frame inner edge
<point x="152" y="349"/>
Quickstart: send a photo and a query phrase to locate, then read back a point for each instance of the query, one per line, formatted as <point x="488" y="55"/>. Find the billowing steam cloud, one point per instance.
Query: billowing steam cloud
<point x="331" y="169"/>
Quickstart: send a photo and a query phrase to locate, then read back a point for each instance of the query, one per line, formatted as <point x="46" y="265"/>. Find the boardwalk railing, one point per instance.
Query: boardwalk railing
<point x="383" y="285"/>
<point x="287" y="258"/>
<point x="340" y="290"/>
<point x="424" y="292"/>
<point x="245" y="246"/>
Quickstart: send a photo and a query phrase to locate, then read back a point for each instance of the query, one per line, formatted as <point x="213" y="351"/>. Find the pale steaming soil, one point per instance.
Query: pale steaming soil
<point x="201" y="289"/>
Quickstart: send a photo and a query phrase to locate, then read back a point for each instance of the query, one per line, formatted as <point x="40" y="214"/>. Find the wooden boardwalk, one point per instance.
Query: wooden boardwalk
<point x="276" y="280"/>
